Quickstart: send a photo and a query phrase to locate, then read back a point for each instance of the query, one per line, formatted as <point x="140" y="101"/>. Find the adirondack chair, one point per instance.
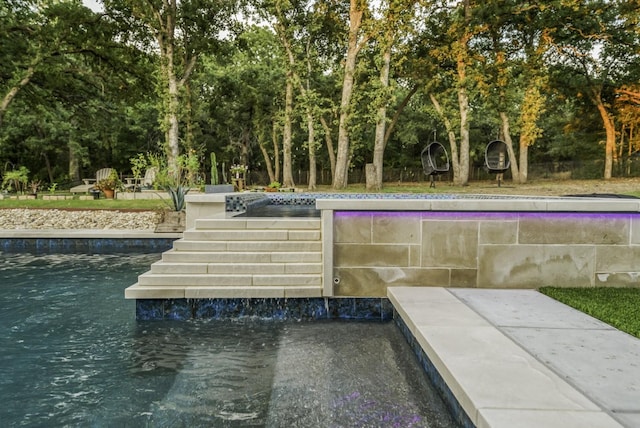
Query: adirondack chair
<point x="89" y="183"/>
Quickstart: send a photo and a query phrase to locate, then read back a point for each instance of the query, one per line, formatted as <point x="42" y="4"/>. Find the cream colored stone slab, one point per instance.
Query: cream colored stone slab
<point x="373" y="282"/>
<point x="301" y="257"/>
<point x="287" y="280"/>
<point x="302" y="292"/>
<point x="488" y="204"/>
<point x="221" y="257"/>
<point x="452" y="244"/>
<point x="614" y="258"/>
<point x="533" y="266"/>
<point x="516" y="418"/>
<point x="236" y="235"/>
<point x="304" y="235"/>
<point x="287" y="224"/>
<point x="213" y="224"/>
<point x="183" y="245"/>
<point x="352" y="228"/>
<point x="139" y="292"/>
<point x="374" y="255"/>
<point x="383" y="204"/>
<point x="415" y="255"/>
<point x="245" y="268"/>
<point x="396" y="228"/>
<point x="635" y="230"/>
<point x="194" y="280"/>
<point x="234" y="292"/>
<point x="498" y="232"/>
<point x="174" y="268"/>
<point x="280" y="246"/>
<point x="573" y="229"/>
<point x="326" y="218"/>
<point x="303" y="268"/>
<point x="607" y="205"/>
<point x="463" y="278"/>
<point x="487" y="370"/>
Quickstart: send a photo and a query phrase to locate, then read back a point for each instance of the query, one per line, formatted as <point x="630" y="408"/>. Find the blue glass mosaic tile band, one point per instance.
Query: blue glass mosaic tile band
<point x="436" y="379"/>
<point x="370" y="309"/>
<point x="93" y="245"/>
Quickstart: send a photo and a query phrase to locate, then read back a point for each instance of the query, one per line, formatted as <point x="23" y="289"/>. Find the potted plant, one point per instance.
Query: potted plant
<point x="109" y="185"/>
<point x="274" y="186"/>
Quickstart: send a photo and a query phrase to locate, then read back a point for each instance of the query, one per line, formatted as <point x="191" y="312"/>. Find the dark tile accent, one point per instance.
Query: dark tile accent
<point x="267" y="309"/>
<point x="86" y="245"/>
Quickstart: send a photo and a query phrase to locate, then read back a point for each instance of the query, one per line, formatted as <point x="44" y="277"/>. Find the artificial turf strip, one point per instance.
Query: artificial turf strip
<point x="618" y="307"/>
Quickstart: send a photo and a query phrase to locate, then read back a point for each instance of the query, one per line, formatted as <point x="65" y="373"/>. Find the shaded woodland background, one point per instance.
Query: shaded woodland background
<point x="309" y="92"/>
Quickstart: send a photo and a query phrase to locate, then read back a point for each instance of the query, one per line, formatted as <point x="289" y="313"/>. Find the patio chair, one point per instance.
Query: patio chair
<point x="496" y="158"/>
<point x="138" y="184"/>
<point x="89" y="183"/>
<point x="435" y="161"/>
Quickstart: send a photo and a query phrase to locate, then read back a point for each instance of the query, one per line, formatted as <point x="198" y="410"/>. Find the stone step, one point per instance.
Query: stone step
<point x="199" y="253"/>
<point x="173" y="256"/>
<point x="235" y="268"/>
<point x="261" y="224"/>
<point x="252" y="246"/>
<point x="224" y="280"/>
<point x="251" y="235"/>
<point x="137" y="291"/>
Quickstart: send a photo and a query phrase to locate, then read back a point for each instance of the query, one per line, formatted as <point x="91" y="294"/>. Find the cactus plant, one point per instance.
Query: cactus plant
<point x="214" y="169"/>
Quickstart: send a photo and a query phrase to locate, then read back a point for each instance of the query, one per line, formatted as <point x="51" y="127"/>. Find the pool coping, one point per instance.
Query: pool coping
<point x="509" y="365"/>
<point x="86" y="234"/>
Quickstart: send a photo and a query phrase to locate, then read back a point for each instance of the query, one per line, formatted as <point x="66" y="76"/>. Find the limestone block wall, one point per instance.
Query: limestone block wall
<point x="376" y="249"/>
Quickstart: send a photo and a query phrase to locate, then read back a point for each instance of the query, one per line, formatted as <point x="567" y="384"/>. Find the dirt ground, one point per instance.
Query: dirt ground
<point x="545" y="188"/>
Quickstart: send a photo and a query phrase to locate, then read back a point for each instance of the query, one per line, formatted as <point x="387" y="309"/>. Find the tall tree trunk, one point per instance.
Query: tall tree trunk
<point x="462" y="56"/>
<point x="329" y="142"/>
<point x="353" y="47"/>
<point x="451" y="135"/>
<point x="74" y="160"/>
<point x="506" y="132"/>
<point x="610" y="130"/>
<point x="276" y="151"/>
<point x="13" y="90"/>
<point x="267" y="161"/>
<point x="313" y="173"/>
<point x="287" y="175"/>
<point x="381" y="120"/>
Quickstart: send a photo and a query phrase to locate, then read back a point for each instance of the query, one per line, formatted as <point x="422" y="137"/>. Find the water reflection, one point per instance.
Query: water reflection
<point x="72" y="354"/>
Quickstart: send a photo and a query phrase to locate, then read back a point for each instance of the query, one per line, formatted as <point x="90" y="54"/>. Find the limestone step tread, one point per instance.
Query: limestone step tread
<point x="173" y="256"/>
<point x="251" y="235"/>
<point x="137" y="291"/>
<point x="187" y="245"/>
<point x="261" y="224"/>
<point x="190" y="280"/>
<point x="163" y="267"/>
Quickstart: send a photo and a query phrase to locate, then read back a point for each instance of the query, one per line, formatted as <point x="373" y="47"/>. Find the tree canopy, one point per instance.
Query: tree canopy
<point x="303" y="90"/>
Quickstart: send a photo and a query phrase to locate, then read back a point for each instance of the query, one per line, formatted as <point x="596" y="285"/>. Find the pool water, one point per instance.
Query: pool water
<point x="72" y="354"/>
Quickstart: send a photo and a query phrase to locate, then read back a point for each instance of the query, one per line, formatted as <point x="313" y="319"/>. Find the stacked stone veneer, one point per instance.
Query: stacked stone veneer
<point x="376" y="249"/>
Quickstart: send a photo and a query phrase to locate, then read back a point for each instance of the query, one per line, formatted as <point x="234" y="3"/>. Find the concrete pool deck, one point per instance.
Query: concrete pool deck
<point x="516" y="358"/>
<point x="512" y="358"/>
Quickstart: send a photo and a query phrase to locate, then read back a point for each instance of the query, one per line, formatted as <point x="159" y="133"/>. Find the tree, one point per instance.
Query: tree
<point x="179" y="32"/>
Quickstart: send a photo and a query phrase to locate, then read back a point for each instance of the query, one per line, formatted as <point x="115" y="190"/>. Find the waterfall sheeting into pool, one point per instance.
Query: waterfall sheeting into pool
<point x="72" y="354"/>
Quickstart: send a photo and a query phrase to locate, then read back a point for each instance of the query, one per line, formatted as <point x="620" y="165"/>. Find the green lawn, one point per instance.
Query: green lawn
<point x="619" y="307"/>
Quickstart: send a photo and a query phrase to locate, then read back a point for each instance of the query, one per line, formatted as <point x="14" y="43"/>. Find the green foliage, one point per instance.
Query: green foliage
<point x="138" y="164"/>
<point x="16" y="180"/>
<point x="615" y="306"/>
<point x="112" y="182"/>
<point x="214" y="169"/>
<point x="275" y="185"/>
<point x="177" y="195"/>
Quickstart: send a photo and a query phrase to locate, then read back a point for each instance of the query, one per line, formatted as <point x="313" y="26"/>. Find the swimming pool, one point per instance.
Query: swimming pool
<point x="73" y="355"/>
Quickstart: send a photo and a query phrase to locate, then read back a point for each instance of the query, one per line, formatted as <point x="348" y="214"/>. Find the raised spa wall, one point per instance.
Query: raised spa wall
<point x="472" y="241"/>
